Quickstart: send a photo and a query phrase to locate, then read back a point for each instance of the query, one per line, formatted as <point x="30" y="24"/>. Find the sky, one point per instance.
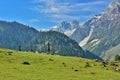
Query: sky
<point x="43" y="14"/>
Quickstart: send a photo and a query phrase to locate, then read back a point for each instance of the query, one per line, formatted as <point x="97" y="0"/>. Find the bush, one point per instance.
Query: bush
<point x="87" y="65"/>
<point x="117" y="58"/>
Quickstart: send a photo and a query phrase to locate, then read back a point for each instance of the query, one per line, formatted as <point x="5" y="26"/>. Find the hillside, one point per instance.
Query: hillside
<point x="51" y="67"/>
<point x="15" y="35"/>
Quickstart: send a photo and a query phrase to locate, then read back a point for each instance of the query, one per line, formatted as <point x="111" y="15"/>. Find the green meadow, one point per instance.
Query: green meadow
<point x="52" y="67"/>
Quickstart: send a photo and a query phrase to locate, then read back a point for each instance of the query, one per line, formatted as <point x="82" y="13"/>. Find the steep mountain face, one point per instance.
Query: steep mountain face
<point x="14" y="34"/>
<point x="66" y="28"/>
<point x="82" y="33"/>
<point x="106" y="33"/>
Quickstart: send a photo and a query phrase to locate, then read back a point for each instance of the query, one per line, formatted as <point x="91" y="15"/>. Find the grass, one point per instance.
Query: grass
<point x="51" y="67"/>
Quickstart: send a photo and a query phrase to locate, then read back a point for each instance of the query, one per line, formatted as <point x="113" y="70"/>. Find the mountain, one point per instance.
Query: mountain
<point x="105" y="35"/>
<point x="66" y="28"/>
<point x="83" y="32"/>
<point x="15" y="35"/>
<point x="101" y="34"/>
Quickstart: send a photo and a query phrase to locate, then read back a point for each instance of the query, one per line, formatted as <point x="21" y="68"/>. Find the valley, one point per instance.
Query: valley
<point x="65" y="40"/>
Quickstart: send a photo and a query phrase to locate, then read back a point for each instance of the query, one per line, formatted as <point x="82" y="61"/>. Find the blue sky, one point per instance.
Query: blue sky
<point x="43" y="14"/>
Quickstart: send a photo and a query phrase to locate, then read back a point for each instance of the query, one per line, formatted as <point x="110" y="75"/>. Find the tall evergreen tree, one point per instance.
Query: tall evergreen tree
<point x="48" y="47"/>
<point x="19" y="48"/>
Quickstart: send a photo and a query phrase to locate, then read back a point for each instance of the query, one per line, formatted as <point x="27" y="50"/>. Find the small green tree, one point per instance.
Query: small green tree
<point x="31" y="50"/>
<point x="19" y="48"/>
<point x="48" y="47"/>
<point x="117" y="57"/>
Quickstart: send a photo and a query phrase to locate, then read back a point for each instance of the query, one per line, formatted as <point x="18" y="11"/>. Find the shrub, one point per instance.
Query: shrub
<point x="87" y="65"/>
<point x="117" y="58"/>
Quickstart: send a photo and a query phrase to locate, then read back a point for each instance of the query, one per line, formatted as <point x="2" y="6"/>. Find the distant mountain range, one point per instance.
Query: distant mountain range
<point x="100" y="34"/>
<point x="15" y="35"/>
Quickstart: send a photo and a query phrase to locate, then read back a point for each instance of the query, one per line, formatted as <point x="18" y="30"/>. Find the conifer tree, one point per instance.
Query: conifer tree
<point x="117" y="57"/>
<point x="48" y="47"/>
<point x="19" y="48"/>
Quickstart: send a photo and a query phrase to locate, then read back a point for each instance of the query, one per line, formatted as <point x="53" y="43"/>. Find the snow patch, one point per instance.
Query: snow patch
<point x="69" y="32"/>
<point x="85" y="40"/>
<point x="98" y="17"/>
<point x="110" y="6"/>
<point x="81" y="24"/>
<point x="95" y="42"/>
<point x="55" y="26"/>
<point x="42" y="30"/>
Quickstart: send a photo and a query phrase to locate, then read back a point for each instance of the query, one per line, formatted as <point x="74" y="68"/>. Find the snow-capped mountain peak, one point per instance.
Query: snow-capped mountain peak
<point x="67" y="28"/>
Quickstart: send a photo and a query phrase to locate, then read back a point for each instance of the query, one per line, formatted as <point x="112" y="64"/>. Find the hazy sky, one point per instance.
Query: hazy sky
<point x="43" y="14"/>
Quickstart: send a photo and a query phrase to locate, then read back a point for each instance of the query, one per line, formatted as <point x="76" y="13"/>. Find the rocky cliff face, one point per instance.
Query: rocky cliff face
<point x="84" y="31"/>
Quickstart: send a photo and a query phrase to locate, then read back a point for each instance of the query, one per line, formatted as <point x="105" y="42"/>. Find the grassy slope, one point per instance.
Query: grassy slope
<point x="41" y="68"/>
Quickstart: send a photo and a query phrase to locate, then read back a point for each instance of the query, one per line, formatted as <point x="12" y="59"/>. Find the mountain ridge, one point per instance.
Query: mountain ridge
<point x="15" y="35"/>
<point x="67" y="28"/>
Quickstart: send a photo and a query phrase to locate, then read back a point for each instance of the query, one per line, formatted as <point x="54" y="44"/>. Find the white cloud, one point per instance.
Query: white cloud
<point x="64" y="9"/>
